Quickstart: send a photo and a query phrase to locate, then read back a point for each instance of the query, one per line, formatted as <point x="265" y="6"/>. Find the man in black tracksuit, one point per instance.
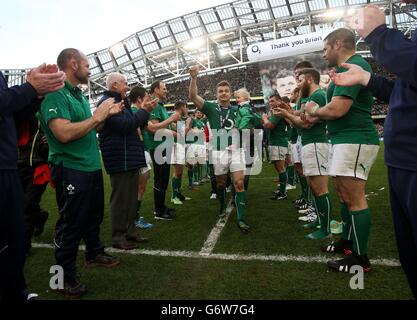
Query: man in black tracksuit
<point x="123" y="155"/>
<point x="17" y="101"/>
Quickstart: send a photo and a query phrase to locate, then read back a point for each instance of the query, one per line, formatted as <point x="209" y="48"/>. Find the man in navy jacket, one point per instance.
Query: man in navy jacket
<point x="398" y="55"/>
<point x="123" y="155"/>
<point x="17" y="101"/>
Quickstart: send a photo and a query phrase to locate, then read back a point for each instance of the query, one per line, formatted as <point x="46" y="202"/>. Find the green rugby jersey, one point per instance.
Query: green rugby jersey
<point x="355" y="127"/>
<point x="317" y="133"/>
<point x="220" y="118"/>
<point x="279" y="135"/>
<point x="81" y="154"/>
<point x="159" y="113"/>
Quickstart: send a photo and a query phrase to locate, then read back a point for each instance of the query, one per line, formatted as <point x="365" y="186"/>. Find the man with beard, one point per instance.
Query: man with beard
<point x="76" y="169"/>
<point x="399" y="55"/>
<point x="304" y="202"/>
<point x="221" y="117"/>
<point x="354" y="148"/>
<point x="314" y="153"/>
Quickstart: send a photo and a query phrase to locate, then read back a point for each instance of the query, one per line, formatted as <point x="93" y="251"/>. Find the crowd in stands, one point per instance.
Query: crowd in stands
<point x="379" y="108"/>
<point x="246" y="76"/>
<point x="249" y="77"/>
<point x="380" y="128"/>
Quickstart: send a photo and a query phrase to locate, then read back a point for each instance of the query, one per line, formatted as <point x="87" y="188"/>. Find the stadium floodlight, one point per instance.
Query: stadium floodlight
<point x="195" y="44"/>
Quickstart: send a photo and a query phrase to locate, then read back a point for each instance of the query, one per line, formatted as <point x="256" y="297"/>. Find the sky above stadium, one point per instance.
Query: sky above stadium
<point x="32" y="32"/>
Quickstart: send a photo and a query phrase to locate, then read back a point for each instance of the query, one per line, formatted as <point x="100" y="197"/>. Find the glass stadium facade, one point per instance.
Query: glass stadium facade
<point x="217" y="37"/>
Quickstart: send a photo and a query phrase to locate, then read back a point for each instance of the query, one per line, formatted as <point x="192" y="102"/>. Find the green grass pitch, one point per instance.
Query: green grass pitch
<point x="275" y="231"/>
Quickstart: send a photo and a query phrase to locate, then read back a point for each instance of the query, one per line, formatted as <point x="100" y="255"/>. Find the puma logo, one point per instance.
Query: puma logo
<point x="54" y="110"/>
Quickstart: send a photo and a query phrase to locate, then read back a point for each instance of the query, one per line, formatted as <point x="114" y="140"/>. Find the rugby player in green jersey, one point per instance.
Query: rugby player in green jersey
<point x="354" y="149"/>
<point x="221" y="117"/>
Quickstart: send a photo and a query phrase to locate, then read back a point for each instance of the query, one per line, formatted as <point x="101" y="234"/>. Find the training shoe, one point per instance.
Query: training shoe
<point x="342" y="247"/>
<point x="32" y="296"/>
<point x="279" y="196"/>
<point x="243" y="226"/>
<point x="104" y="260"/>
<point x="299" y="202"/>
<point x="310" y="217"/>
<point x="142" y="224"/>
<point x="40" y="223"/>
<point x="164" y="215"/>
<point x="176" y="201"/>
<point x="305" y="209"/>
<point x="125" y="245"/>
<point x="318" y="234"/>
<point x="183" y="198"/>
<point x="73" y="289"/>
<point x="196" y="183"/>
<point x="290" y="187"/>
<point x="345" y="264"/>
<point x="137" y="239"/>
<point x="229" y="189"/>
<point x="213" y="196"/>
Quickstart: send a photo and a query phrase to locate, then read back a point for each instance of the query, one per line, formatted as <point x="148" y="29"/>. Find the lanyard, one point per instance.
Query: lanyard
<point x="221" y="120"/>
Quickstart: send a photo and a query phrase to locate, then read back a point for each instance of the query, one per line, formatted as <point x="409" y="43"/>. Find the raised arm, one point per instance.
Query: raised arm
<point x="193" y="94"/>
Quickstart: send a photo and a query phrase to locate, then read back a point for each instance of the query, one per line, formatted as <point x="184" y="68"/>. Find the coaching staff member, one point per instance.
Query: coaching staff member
<point x="17" y="101"/>
<point x="398" y="55"/>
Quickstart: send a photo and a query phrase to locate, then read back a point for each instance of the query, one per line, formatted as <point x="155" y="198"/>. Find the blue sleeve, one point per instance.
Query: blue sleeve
<point x="28" y="112"/>
<point x="395" y="52"/>
<point x="126" y="122"/>
<point x="380" y="87"/>
<point x="15" y="98"/>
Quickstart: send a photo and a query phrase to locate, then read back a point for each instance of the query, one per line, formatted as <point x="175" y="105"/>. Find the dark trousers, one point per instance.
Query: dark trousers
<point x="12" y="251"/>
<point x="123" y="204"/>
<point x="212" y="179"/>
<point x="80" y="199"/>
<point x="403" y="189"/>
<point x="33" y="195"/>
<point x="161" y="180"/>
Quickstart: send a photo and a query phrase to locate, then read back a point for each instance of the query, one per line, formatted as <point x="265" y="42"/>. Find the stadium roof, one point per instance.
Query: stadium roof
<point x="217" y="37"/>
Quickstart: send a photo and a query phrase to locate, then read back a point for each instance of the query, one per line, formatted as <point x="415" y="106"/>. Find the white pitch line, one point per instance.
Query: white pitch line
<point x="231" y="257"/>
<point x="214" y="235"/>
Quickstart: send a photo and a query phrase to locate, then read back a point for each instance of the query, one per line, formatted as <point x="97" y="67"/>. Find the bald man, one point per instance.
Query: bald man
<point x="76" y="169"/>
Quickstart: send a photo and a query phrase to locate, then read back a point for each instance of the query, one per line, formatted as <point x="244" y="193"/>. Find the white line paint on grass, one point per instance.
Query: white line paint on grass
<point x="232" y="257"/>
<point x="214" y="235"/>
